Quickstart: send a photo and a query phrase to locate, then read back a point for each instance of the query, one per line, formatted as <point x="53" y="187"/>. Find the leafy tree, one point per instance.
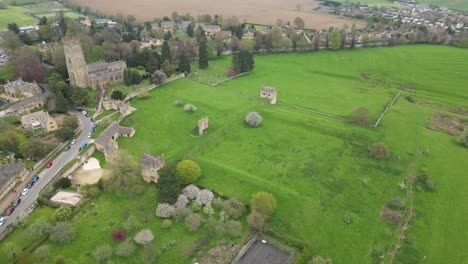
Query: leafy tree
<point x="165" y="210"/>
<point x="11" y="250"/>
<point x="253" y="119"/>
<point x="63" y="213"/>
<point x="79" y="96"/>
<point x="379" y="151"/>
<point x="353" y="36"/>
<point x="335" y="41"/>
<point x="125" y="249"/>
<point x="61" y="105"/>
<point x="169" y="184"/>
<point x="62" y="233"/>
<point x="204" y="197"/>
<point x="166" y="224"/>
<point x="166" y="52"/>
<point x="70" y="121"/>
<point x="131" y="77"/>
<point x="10" y="141"/>
<point x="63" y="183"/>
<point x="203" y="56"/>
<point x="158" y="77"/>
<point x="188" y="171"/>
<point x="256" y="220"/>
<point x="233" y="207"/>
<point x="119" y="235"/>
<point x="13" y="27"/>
<point x="42" y="253"/>
<point x="396" y="203"/>
<point x="190" y="30"/>
<point x="125" y="173"/>
<point x="184" y="63"/>
<point x="150" y="253"/>
<point x="144" y="237"/>
<point x="362" y="116"/>
<point x="299" y="23"/>
<point x="131" y="223"/>
<point x="168" y="68"/>
<point x="9" y="40"/>
<point x="102" y="253"/>
<point x="28" y="65"/>
<point x="153" y="63"/>
<point x="193" y="222"/>
<point x="234" y="228"/>
<point x="117" y="95"/>
<point x="263" y="203"/>
<point x="39" y="230"/>
<point x="65" y="133"/>
<point x="365" y="39"/>
<point x="243" y="61"/>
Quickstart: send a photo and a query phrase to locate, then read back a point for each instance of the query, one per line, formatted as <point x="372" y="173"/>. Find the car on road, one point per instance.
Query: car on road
<point x="66" y="148"/>
<point x="2" y="220"/>
<point x="16" y="202"/>
<point x="84" y="112"/>
<point x="49" y="164"/>
<point x="29" y="185"/>
<point x="9" y="211"/>
<point x="89" y="134"/>
<point x="73" y="141"/>
<point x="25" y="191"/>
<point x="35" y="178"/>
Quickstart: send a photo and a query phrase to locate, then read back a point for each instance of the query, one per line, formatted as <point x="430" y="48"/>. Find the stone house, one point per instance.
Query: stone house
<point x="107" y="141"/>
<point x="268" y="93"/>
<point x="38" y="120"/>
<point x="27" y="105"/>
<point x="21" y="89"/>
<point x="45" y="47"/>
<point x="150" y="166"/>
<point x="124" y="107"/>
<point x="10" y="175"/>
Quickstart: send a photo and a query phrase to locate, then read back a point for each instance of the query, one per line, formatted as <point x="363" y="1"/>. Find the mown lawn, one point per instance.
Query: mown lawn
<point x="15" y="14"/>
<point x="215" y="72"/>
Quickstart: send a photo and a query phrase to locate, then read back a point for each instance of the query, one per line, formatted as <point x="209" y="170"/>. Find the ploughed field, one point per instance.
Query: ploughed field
<point x="330" y="191"/>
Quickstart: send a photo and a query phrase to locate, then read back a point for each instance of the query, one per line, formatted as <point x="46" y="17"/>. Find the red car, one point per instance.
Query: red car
<point x="9" y="211"/>
<point x="49" y="164"/>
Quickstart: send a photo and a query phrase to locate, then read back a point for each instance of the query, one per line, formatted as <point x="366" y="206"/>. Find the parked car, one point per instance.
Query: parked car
<point x="73" y="141"/>
<point x="89" y="134"/>
<point x="16" y="202"/>
<point x="66" y="148"/>
<point x="9" y="211"/>
<point x="35" y="178"/>
<point x="84" y="112"/>
<point x="2" y="220"/>
<point x="25" y="191"/>
<point x="49" y="164"/>
<point x="70" y="176"/>
<point x="29" y="185"/>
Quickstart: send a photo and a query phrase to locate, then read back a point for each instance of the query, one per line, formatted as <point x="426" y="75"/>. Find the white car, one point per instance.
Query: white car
<point x="2" y="220"/>
<point x="25" y="191"/>
<point x="89" y="134"/>
<point x="73" y="141"/>
<point x="84" y="112"/>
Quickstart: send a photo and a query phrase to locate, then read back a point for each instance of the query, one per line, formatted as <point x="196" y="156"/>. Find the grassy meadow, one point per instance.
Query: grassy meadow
<point x="15" y="14"/>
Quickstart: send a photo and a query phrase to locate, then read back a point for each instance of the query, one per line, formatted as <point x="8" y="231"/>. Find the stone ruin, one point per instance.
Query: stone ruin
<point x="202" y="125"/>
<point x="150" y="166"/>
<point x="268" y="93"/>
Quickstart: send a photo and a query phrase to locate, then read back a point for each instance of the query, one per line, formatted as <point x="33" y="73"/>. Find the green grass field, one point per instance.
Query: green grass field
<point x="52" y="14"/>
<point x="15" y="14"/>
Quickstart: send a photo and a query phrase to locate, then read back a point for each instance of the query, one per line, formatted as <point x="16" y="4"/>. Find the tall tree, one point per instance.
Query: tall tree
<point x="28" y="65"/>
<point x="190" y="30"/>
<point x="299" y="23"/>
<point x="335" y="42"/>
<point x="166" y="52"/>
<point x="243" y="61"/>
<point x="317" y="40"/>
<point x="353" y="36"/>
<point x="184" y="63"/>
<point x="14" y="27"/>
<point x="203" y="55"/>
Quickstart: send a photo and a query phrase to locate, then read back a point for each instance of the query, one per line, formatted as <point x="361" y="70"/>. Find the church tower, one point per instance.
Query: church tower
<point x="76" y="64"/>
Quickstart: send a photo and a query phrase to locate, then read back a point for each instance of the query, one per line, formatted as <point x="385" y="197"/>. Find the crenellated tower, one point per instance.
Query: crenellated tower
<point x="76" y="64"/>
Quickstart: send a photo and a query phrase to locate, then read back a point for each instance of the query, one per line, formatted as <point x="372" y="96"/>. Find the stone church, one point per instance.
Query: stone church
<point x="96" y="75"/>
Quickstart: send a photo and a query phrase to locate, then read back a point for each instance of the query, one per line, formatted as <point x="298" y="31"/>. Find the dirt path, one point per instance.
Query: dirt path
<point x="90" y="173"/>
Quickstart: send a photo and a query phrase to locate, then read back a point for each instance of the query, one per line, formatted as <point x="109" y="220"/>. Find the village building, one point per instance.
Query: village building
<point x="124" y="107"/>
<point x="27" y="105"/>
<point x="148" y="42"/>
<point x="268" y="93"/>
<point x="150" y="166"/>
<point x="39" y="120"/>
<point x="10" y="175"/>
<point x="97" y="75"/>
<point x="83" y="21"/>
<point x="107" y="141"/>
<point x="209" y="29"/>
<point x="21" y="89"/>
<point x="47" y="47"/>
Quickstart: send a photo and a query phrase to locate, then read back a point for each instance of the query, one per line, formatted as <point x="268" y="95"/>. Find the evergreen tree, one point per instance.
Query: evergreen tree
<point x="203" y="55"/>
<point x="154" y="62"/>
<point x="243" y="61"/>
<point x="13" y="27"/>
<point x="166" y="52"/>
<point x="184" y="63"/>
<point x="61" y="102"/>
<point x="353" y="36"/>
<point x="190" y="30"/>
<point x="335" y="42"/>
<point x="169" y="184"/>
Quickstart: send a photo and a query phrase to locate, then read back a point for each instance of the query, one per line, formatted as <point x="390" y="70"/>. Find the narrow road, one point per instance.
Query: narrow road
<point x="47" y="174"/>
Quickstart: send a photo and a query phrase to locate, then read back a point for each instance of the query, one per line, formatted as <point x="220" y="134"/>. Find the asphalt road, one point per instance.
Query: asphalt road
<point x="47" y="174"/>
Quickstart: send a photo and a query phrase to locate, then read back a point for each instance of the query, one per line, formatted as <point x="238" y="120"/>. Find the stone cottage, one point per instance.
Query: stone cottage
<point x="268" y="93"/>
<point x="10" y="175"/>
<point x="38" y="120"/>
<point x="107" y="141"/>
<point x="150" y="166"/>
<point x="27" y="105"/>
<point x="22" y="89"/>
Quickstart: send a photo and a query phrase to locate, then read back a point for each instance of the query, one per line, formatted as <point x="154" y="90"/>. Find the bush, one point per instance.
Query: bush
<point x="63" y="213"/>
<point x="63" y="183"/>
<point x="253" y="119"/>
<point x="144" y="237"/>
<point x="182" y="201"/>
<point x="234" y="228"/>
<point x="191" y="191"/>
<point x="379" y="151"/>
<point x="256" y="221"/>
<point x="233" y="207"/>
<point x="117" y="95"/>
<point x="42" y="253"/>
<point x="59" y="260"/>
<point x="263" y="203"/>
<point x="125" y="249"/>
<point x="165" y="210"/>
<point x="150" y="253"/>
<point x="208" y="209"/>
<point x="65" y="134"/>
<point x="410" y="99"/>
<point x="180" y="213"/>
<point x="102" y="253"/>
<point x="205" y="196"/>
<point x="362" y="116"/>
<point x="62" y="233"/>
<point x="392" y="217"/>
<point x="463" y="138"/>
<point x="166" y="224"/>
<point x="190" y="108"/>
<point x="179" y="102"/>
<point x="131" y="223"/>
<point x="188" y="171"/>
<point x="193" y="222"/>
<point x="119" y="235"/>
<point x="39" y="230"/>
<point x="216" y="227"/>
<point x="396" y="203"/>
<point x="158" y="77"/>
<point x="89" y="190"/>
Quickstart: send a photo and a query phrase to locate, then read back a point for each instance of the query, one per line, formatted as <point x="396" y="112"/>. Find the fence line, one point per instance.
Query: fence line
<point x="386" y="109"/>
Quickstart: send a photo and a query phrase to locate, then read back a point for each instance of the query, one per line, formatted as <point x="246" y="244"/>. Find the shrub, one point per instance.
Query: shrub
<point x="150" y="253"/>
<point x="234" y="228"/>
<point x="256" y="221"/>
<point x="166" y="224"/>
<point x="119" y="235"/>
<point x="190" y="108"/>
<point x="180" y="213"/>
<point x="42" y="253"/>
<point x="233" y="207"/>
<point x="320" y="260"/>
<point x="169" y="184"/>
<point x="102" y="253"/>
<point x="63" y="213"/>
<point x="191" y="191"/>
<point x="89" y="190"/>
<point x="205" y="196"/>
<point x="216" y="227"/>
<point x="392" y="217"/>
<point x="131" y="223"/>
<point x="361" y="116"/>
<point x="117" y="95"/>
<point x="231" y="72"/>
<point x="144" y="237"/>
<point x="165" y="210"/>
<point x="423" y="176"/>
<point x="193" y="222"/>
<point x="410" y="99"/>
<point x="208" y="209"/>
<point x="40" y="229"/>
<point x="263" y="203"/>
<point x="59" y="260"/>
<point x="62" y="233"/>
<point x="188" y="171"/>
<point x="218" y="203"/>
<point x="182" y="201"/>
<point x="463" y="138"/>
<point x="63" y="183"/>
<point x="396" y="203"/>
<point x="158" y="77"/>
<point x="179" y="102"/>
<point x="253" y="119"/>
<point x="379" y="151"/>
<point x="125" y="249"/>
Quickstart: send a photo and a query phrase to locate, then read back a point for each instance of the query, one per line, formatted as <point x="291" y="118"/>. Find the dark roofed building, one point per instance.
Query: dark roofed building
<point x="10" y="175"/>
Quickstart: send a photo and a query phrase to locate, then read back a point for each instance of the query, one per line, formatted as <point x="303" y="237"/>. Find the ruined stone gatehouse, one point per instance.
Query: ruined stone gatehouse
<point x="202" y="125"/>
<point x="268" y="93"/>
<point x="97" y="75"/>
<point x="150" y="166"/>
